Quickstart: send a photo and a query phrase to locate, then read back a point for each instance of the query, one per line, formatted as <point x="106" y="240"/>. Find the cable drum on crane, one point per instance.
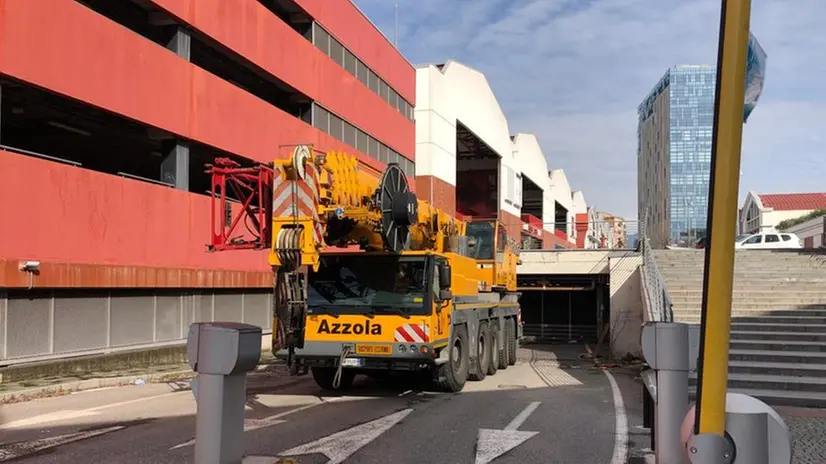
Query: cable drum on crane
<point x="399" y="209"/>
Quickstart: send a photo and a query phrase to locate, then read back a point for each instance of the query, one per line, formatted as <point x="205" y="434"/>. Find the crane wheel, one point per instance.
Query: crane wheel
<point x="510" y="340"/>
<point x="493" y="343"/>
<point x="452" y="375"/>
<point x="482" y="353"/>
<point x="324" y="376"/>
<point x="504" y="352"/>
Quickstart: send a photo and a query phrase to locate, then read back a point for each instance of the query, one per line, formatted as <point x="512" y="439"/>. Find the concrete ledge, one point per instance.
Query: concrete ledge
<point x="118" y="361"/>
<point x="66" y="388"/>
<point x="121" y="360"/>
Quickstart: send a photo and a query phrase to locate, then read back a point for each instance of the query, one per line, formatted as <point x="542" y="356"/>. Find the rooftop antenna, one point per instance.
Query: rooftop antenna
<point x="396" y="31"/>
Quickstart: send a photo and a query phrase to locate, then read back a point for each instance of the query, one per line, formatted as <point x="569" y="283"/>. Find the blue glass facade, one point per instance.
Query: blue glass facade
<point x="675" y="135"/>
<point x="691" y="94"/>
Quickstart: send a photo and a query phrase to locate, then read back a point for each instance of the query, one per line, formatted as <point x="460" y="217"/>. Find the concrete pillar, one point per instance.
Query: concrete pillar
<point x="175" y="166"/>
<point x="180" y="43"/>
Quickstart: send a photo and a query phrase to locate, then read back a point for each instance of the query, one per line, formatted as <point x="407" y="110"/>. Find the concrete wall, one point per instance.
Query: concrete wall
<point x="811" y="232"/>
<point x="45" y="324"/>
<point x="627" y="306"/>
<point x="564" y="262"/>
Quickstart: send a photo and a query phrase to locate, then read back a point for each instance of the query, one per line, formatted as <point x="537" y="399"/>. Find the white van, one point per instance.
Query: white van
<point x="768" y="240"/>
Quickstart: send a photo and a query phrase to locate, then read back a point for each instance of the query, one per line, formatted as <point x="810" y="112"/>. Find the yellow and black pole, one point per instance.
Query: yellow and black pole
<point x="722" y="215"/>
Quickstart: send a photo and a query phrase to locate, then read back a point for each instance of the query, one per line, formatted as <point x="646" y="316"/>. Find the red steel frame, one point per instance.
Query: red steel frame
<point x="253" y="188"/>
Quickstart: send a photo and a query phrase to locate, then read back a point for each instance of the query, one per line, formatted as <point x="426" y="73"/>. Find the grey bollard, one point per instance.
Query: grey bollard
<point x="669" y="349"/>
<point x="756" y="435"/>
<point x="221" y="353"/>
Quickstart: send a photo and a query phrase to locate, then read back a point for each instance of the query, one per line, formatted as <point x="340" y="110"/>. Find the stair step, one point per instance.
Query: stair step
<point x="772" y="382"/>
<point x="788" y="370"/>
<point x="805" y="399"/>
<point x="778" y="336"/>
<point x="779" y="345"/>
<point x="750" y="293"/>
<point x="779" y="356"/>
<point x="762" y="327"/>
<point x="676" y="286"/>
<point x="753" y="317"/>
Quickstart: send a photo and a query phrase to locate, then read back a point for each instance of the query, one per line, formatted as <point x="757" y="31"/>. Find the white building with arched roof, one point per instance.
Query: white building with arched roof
<point x="468" y="164"/>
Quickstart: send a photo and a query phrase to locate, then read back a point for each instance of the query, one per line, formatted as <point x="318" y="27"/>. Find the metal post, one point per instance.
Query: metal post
<point x="221" y="353"/>
<point x="665" y="346"/>
<point x="542" y="315"/>
<point x="219" y="425"/>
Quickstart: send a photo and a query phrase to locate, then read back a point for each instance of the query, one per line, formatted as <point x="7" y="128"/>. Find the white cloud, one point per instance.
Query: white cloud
<point x="574" y="71"/>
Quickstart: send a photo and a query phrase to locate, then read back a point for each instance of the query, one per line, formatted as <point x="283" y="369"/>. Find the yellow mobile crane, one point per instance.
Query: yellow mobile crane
<point x="422" y="291"/>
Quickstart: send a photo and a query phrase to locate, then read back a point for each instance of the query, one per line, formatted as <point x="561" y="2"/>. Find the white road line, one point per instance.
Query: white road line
<point x="136" y="400"/>
<point x="405" y="393"/>
<point x="522" y="416"/>
<point x="621" y="428"/>
<point x="68" y="414"/>
<point x="18" y="450"/>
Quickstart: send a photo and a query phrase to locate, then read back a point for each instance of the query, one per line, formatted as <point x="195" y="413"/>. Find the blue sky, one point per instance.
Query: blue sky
<point x="574" y="71"/>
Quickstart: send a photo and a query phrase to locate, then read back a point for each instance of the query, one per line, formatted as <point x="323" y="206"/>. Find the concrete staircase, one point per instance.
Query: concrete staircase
<point x="778" y="332"/>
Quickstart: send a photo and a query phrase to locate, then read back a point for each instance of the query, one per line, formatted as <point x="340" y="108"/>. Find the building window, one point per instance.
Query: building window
<point x="342" y="130"/>
<point x="347" y="60"/>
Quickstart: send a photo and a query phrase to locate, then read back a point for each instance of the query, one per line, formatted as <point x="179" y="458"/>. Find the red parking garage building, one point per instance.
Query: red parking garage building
<point x="111" y="108"/>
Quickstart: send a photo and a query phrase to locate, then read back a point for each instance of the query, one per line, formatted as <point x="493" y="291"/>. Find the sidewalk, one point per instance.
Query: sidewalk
<point x="14" y="392"/>
<point x="808" y="429"/>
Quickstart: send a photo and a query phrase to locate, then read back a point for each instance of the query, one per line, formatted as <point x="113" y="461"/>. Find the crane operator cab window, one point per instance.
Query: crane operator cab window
<point x="364" y="284"/>
<point x="484" y="235"/>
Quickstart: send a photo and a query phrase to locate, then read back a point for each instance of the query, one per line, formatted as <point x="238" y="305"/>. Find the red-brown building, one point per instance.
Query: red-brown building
<point x="110" y="110"/>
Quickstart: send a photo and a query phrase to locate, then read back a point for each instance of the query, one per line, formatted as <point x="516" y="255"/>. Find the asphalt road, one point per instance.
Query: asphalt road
<point x="549" y="408"/>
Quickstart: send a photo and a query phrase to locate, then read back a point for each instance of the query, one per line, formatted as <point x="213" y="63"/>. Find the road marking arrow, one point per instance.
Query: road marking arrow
<point x="20" y="449"/>
<point x="341" y="445"/>
<point x="493" y="443"/>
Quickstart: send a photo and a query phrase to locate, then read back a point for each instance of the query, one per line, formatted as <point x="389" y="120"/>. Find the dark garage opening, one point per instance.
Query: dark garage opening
<point x="562" y="309"/>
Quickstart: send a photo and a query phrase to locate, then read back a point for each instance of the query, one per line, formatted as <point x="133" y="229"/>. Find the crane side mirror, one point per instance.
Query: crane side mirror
<point x="444" y="277"/>
<point x="445" y="295"/>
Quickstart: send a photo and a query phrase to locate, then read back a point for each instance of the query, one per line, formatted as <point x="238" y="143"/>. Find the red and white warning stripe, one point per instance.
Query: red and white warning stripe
<point x="412" y="333"/>
<point x="299" y="199"/>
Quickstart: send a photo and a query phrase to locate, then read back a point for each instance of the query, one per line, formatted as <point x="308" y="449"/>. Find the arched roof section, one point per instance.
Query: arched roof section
<point x="579" y="206"/>
<point x="561" y="189"/>
<point x="476" y="107"/>
<point x="753" y="198"/>
<point x="531" y="161"/>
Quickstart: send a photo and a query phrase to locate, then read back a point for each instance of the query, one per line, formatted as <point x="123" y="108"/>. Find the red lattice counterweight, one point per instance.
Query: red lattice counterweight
<point x="251" y="190"/>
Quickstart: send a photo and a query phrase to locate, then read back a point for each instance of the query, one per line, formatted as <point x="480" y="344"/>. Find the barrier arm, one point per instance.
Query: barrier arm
<point x="710" y="419"/>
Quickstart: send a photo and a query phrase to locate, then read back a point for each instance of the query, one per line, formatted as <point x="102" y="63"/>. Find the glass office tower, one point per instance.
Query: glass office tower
<point x="674" y="154"/>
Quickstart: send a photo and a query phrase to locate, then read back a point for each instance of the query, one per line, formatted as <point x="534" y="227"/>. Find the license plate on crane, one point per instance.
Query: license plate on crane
<point x="352" y="362"/>
<point x="381" y="350"/>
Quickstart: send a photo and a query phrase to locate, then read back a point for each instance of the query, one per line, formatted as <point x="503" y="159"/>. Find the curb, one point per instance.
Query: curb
<point x="60" y="389"/>
<point x="66" y="388"/>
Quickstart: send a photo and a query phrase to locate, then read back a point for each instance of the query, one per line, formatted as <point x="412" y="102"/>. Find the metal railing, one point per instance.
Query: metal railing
<point x="658" y="301"/>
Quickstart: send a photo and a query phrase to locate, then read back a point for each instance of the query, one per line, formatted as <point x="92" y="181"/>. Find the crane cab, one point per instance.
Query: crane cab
<point x="495" y="254"/>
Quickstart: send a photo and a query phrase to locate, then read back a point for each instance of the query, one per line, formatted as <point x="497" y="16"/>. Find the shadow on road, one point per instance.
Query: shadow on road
<point x="575" y="418"/>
